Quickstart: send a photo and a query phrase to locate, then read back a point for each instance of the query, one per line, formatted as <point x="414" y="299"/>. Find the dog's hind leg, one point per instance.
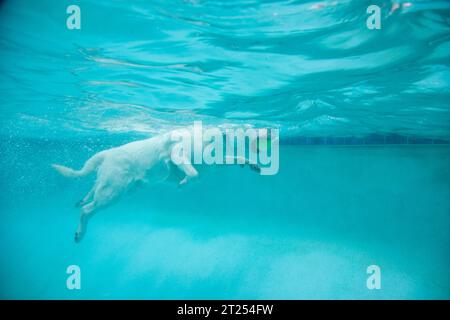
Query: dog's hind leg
<point x="86" y="198"/>
<point x="86" y="212"/>
<point x="104" y="193"/>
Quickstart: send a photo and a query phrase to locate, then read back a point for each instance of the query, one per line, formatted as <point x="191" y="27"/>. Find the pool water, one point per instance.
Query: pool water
<point x="364" y="176"/>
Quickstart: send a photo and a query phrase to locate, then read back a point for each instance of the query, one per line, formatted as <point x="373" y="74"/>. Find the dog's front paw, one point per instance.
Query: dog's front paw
<point x="182" y="182"/>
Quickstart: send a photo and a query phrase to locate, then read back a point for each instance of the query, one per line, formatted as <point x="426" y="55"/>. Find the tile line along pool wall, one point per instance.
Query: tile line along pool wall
<point x="367" y="140"/>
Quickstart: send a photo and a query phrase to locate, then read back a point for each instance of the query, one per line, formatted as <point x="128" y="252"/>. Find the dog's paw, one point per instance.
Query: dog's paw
<point x="77" y="237"/>
<point x="255" y="167"/>
<point x="182" y="182"/>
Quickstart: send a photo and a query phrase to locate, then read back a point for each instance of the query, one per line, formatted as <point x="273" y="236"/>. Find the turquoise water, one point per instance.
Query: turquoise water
<point x="364" y="121"/>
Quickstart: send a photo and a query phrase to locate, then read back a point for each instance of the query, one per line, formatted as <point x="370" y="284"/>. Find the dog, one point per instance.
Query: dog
<point x="136" y="163"/>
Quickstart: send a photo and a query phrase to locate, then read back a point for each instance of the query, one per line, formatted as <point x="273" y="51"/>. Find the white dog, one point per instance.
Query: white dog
<point x="121" y="168"/>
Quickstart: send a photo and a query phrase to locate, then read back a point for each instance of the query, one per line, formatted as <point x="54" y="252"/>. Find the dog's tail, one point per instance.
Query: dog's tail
<point x="89" y="166"/>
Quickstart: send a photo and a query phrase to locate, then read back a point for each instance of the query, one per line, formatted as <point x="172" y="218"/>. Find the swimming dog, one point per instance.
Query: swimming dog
<point x="121" y="168"/>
